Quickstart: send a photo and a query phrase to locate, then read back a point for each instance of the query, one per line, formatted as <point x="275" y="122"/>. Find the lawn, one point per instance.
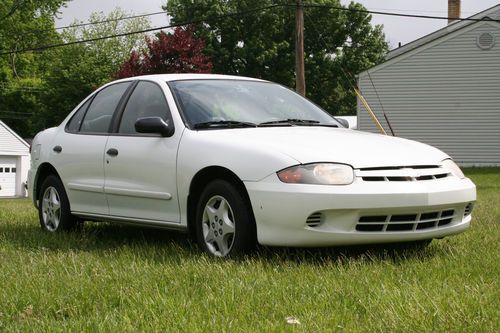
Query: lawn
<point x="115" y="279"/>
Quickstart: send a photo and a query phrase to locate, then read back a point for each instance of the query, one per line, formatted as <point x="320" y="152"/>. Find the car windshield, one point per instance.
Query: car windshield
<point x="242" y="103"/>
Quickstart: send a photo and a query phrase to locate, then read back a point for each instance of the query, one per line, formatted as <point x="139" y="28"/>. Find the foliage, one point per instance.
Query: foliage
<point x="109" y="278"/>
<point x="177" y="52"/>
<point x="24" y="24"/>
<point x="109" y="53"/>
<point x="338" y="44"/>
<point x="79" y="69"/>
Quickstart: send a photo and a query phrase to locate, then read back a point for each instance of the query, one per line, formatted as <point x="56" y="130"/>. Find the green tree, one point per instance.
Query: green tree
<point x="338" y="44"/>
<point x="24" y="24"/>
<point x="79" y="69"/>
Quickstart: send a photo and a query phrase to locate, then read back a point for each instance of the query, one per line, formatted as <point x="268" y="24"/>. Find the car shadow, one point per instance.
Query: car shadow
<point x="160" y="244"/>
<point x="95" y="237"/>
<point x="394" y="253"/>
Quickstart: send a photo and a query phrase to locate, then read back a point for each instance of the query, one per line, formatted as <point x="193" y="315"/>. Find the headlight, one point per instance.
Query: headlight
<point x="318" y="173"/>
<point x="453" y="168"/>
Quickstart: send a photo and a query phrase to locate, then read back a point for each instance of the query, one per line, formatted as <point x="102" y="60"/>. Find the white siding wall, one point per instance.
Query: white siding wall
<point x="445" y="93"/>
<point x="9" y="142"/>
<point x="13" y="148"/>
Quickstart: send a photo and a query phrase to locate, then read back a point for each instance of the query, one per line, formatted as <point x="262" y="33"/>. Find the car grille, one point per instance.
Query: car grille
<point x="402" y="174"/>
<point x="405" y="222"/>
<point x="468" y="209"/>
<point x="314" y="220"/>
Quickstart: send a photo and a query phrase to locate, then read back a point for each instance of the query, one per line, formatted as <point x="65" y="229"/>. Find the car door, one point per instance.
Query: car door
<point x="78" y="151"/>
<point x="140" y="169"/>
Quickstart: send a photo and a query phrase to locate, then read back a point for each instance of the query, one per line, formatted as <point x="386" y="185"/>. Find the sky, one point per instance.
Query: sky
<point x="397" y="29"/>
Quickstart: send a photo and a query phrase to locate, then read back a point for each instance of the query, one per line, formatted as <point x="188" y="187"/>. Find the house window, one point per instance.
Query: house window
<point x="7" y="170"/>
<point x="13" y="170"/>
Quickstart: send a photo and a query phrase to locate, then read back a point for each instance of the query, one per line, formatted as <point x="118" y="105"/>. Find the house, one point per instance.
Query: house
<point x="443" y="89"/>
<point x="14" y="163"/>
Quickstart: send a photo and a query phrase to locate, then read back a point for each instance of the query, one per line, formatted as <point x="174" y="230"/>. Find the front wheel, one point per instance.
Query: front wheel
<point x="224" y="221"/>
<point x="53" y="206"/>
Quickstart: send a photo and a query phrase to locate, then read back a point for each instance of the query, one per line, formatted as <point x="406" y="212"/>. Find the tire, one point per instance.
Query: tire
<point x="224" y="221"/>
<point x="53" y="206"/>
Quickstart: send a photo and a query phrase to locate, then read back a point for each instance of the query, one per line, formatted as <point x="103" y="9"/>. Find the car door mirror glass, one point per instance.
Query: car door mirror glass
<point x="154" y="125"/>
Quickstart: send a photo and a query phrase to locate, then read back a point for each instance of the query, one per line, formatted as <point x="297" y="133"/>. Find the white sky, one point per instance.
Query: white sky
<point x="397" y="29"/>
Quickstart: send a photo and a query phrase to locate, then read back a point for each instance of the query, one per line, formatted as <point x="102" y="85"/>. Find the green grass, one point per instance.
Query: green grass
<point x="110" y="278"/>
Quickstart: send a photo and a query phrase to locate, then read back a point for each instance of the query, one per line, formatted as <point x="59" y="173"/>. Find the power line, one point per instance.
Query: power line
<point x="20" y="88"/>
<point x="243" y="13"/>
<point x="34" y="32"/>
<point x="17" y="113"/>
<point x="378" y="11"/>
<point x="353" y="85"/>
<point x="306" y="5"/>
<point x="109" y="20"/>
<point x="45" y="47"/>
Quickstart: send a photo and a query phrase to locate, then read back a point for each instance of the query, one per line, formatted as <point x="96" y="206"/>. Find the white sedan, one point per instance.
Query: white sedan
<point x="236" y="161"/>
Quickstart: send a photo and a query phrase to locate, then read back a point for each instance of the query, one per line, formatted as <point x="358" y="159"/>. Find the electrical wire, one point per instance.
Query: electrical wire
<point x="353" y="85"/>
<point x="243" y="13"/>
<point x="214" y="18"/>
<point x="109" y="20"/>
<point x="306" y="5"/>
<point x="78" y="25"/>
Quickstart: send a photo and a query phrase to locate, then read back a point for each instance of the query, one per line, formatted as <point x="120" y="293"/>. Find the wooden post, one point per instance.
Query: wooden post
<point x="300" y="80"/>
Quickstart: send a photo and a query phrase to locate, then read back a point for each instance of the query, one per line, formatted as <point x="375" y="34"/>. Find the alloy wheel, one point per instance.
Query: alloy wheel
<point x="51" y="208"/>
<point x="218" y="226"/>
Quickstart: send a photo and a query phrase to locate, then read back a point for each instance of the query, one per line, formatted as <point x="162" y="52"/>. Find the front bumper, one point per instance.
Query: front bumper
<point x="282" y="210"/>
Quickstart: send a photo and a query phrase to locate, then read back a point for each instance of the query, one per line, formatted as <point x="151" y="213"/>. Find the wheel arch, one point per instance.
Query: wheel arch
<point x="201" y="179"/>
<point x="44" y="170"/>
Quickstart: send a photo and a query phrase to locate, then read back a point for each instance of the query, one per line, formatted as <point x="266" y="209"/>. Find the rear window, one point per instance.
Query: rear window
<point x="99" y="115"/>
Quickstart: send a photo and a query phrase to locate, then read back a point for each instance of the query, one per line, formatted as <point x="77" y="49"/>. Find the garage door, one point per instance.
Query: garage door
<point x="7" y="179"/>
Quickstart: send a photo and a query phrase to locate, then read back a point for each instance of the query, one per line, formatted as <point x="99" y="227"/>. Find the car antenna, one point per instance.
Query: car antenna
<point x="347" y="76"/>
<point x="381" y="105"/>
<point x="369" y="110"/>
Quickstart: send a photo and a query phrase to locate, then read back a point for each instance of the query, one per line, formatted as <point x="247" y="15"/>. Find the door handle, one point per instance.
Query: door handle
<point x="112" y="152"/>
<point x="57" y="149"/>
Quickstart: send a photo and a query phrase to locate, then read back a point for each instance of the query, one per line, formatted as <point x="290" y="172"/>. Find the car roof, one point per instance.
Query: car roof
<point x="177" y="77"/>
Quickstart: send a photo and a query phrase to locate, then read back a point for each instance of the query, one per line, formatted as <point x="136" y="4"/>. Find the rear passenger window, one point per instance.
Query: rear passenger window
<point x="147" y="100"/>
<point x="98" y="117"/>
<point x="75" y="122"/>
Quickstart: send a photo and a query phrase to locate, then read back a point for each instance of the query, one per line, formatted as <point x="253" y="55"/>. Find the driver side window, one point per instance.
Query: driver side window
<point x="147" y="100"/>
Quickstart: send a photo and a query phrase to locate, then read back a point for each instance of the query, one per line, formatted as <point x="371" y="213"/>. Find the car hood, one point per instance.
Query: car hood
<point x="325" y="144"/>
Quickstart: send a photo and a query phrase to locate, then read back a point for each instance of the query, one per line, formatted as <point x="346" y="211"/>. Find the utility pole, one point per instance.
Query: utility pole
<point x="300" y="79"/>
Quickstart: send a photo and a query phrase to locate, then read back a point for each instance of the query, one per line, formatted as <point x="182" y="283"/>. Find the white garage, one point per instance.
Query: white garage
<point x="14" y="163"/>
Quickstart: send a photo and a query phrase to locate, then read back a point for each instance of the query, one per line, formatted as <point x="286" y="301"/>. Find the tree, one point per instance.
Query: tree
<point x="338" y="44"/>
<point x="24" y="24"/>
<point x="109" y="53"/>
<point x="79" y="69"/>
<point x="177" y="52"/>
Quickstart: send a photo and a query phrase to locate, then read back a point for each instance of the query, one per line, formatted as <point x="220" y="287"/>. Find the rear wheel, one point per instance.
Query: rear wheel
<point x="53" y="211"/>
<point x="224" y="221"/>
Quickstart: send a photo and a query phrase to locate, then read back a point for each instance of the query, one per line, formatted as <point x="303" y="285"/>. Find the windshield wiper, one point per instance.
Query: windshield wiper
<point x="292" y="122"/>
<point x="223" y="124"/>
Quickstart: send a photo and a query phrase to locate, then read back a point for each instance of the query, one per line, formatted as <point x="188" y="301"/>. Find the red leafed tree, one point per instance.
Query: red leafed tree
<point x="178" y="52"/>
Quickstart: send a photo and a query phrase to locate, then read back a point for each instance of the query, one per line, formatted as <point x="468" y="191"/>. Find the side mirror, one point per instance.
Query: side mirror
<point x="154" y="125"/>
<point x="343" y="122"/>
